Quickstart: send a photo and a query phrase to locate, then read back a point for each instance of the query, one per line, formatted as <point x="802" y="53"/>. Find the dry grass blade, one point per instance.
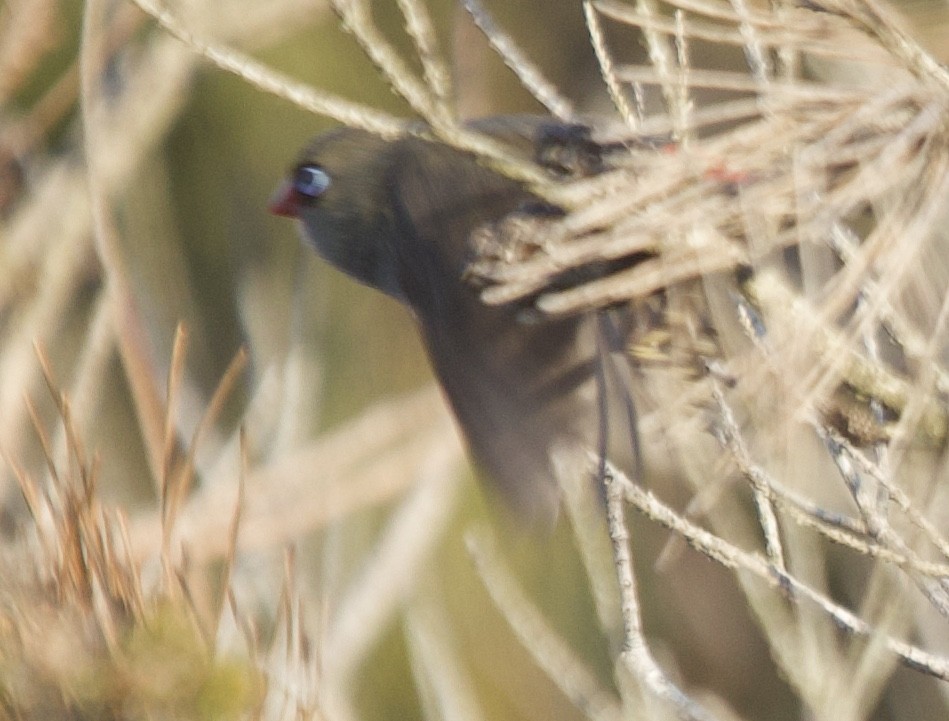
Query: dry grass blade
<point x="171" y="494"/>
<point x="848" y="532"/>
<point x="731" y="556"/>
<point x="130" y="333"/>
<point x="528" y="73"/>
<point x="859" y="461"/>
<point x="836" y="356"/>
<point x="73" y="442"/>
<point x="368" y="461"/>
<point x="806" y="32"/>
<point x="43" y="436"/>
<point x="101" y="637"/>
<point x="230" y="554"/>
<point x="356" y="18"/>
<point x="444" y="685"/>
<point x="178" y="485"/>
<point x="547" y="648"/>
<point x="418" y="24"/>
<point x="386" y="580"/>
<point x="608" y="67"/>
<point x="277" y="84"/>
<point x="783" y="272"/>
<point x="293" y="661"/>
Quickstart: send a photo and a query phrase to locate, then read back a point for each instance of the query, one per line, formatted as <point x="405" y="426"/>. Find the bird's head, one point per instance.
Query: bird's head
<point x="339" y="190"/>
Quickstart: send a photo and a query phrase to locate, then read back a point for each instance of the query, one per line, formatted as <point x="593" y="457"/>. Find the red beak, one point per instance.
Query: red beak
<point x="285" y="201"/>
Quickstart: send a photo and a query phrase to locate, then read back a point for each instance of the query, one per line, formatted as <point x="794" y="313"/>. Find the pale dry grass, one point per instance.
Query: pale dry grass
<point x="790" y="376"/>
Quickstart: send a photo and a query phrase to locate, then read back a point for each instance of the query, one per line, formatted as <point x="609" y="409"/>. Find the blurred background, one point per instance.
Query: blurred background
<point x="336" y="400"/>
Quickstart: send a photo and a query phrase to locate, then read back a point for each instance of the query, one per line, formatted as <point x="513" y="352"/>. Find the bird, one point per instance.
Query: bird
<point x="399" y="216"/>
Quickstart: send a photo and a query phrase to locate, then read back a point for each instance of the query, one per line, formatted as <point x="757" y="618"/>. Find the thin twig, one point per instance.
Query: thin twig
<point x="270" y="81"/>
<point x="607" y="66"/>
<point x="527" y="72"/>
<point x="636" y="654"/>
<point x="730" y="556"/>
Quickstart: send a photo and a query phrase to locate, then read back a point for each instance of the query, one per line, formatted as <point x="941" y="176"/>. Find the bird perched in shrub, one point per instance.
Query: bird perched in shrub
<point x="399" y="215"/>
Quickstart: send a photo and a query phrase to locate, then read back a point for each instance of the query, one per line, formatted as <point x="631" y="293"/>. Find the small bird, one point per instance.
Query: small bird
<point x="398" y="215"/>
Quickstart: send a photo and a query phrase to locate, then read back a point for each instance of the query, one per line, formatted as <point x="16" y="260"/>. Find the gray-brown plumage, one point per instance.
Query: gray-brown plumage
<point x="398" y="215"/>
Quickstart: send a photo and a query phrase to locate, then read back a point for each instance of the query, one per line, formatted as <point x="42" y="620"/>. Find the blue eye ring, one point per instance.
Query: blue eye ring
<point x="310" y="180"/>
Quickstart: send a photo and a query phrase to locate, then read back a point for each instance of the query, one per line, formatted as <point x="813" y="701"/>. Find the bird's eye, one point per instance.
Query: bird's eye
<point x="310" y="180"/>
